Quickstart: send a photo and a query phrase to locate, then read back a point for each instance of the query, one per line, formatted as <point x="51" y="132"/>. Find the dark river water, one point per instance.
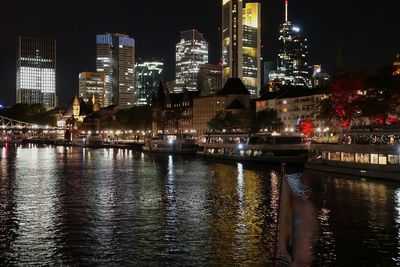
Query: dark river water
<point x="73" y="206"/>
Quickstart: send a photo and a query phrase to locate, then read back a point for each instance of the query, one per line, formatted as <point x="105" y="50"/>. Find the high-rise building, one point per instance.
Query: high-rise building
<point x="319" y="79"/>
<point x="116" y="58"/>
<point x="292" y="64"/>
<point x="268" y="67"/>
<point x="36" y="71"/>
<point x="191" y="52"/>
<point x="210" y="79"/>
<point x="148" y="77"/>
<point x="241" y="43"/>
<point x="92" y="84"/>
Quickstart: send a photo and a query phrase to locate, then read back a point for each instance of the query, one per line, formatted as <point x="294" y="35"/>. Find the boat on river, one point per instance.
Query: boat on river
<point x="258" y="147"/>
<point x="368" y="152"/>
<point x="171" y="143"/>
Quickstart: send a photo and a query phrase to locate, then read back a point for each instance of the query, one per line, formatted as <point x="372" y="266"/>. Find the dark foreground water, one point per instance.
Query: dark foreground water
<point x="75" y="206"/>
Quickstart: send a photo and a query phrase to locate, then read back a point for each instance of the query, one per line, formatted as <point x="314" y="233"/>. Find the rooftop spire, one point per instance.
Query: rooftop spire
<point x="286" y="10"/>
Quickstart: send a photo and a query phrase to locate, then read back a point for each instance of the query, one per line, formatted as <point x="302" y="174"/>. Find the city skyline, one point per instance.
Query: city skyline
<point x="328" y="27"/>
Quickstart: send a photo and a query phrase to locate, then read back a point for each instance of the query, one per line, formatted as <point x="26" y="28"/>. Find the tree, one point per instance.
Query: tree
<point x="267" y="119"/>
<point x="383" y="99"/>
<point x="160" y="118"/>
<point x="217" y="123"/>
<point x="227" y="121"/>
<point x="176" y="115"/>
<point x="342" y="104"/>
<point x="307" y="127"/>
<point x="136" y="118"/>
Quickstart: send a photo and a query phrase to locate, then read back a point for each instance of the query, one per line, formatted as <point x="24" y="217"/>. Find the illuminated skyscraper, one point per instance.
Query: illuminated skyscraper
<point x="292" y="64"/>
<point x="148" y="77"/>
<point x="241" y="43"/>
<point x="92" y="84"/>
<point x="116" y="58"/>
<point x="36" y="71"/>
<point x="191" y="52"/>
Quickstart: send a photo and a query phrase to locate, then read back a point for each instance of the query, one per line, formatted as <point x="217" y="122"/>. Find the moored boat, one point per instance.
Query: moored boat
<point x="369" y="153"/>
<point x="171" y="143"/>
<point x="258" y="147"/>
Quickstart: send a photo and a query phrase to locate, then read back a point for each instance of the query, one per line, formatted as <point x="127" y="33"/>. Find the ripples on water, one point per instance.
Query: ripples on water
<point x="117" y="207"/>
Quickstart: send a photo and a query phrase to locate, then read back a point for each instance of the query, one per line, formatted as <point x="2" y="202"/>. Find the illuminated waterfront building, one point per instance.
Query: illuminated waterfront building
<point x="92" y="84"/>
<point x="233" y="97"/>
<point x="241" y="43"/>
<point x="148" y="77"/>
<point x="210" y="79"/>
<point x="116" y="58"/>
<point x="36" y="71"/>
<point x="292" y="66"/>
<point x="191" y="52"/>
<point x="294" y="105"/>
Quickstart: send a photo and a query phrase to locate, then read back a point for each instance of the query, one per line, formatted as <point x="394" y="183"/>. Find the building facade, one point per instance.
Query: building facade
<point x="191" y="53"/>
<point x="173" y="112"/>
<point x="149" y="75"/>
<point x="92" y="86"/>
<point x="209" y="79"/>
<point x="295" y="105"/>
<point x="233" y="97"/>
<point x="116" y="58"/>
<point x="36" y="71"/>
<point x="241" y="43"/>
<point x="292" y="67"/>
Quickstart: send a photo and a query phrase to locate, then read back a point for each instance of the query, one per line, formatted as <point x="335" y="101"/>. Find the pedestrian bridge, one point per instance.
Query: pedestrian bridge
<point x="11" y="124"/>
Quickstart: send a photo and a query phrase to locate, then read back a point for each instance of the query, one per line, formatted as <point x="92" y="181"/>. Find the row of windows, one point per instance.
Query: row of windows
<point x="366" y="158"/>
<point x="204" y="112"/>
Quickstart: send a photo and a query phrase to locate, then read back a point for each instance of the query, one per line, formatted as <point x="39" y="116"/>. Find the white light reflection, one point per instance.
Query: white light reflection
<point x="397" y="218"/>
<point x="170" y="168"/>
<point x="37" y="201"/>
<point x="240" y="182"/>
<point x="171" y="205"/>
<point x="4" y="152"/>
<point x="274" y="194"/>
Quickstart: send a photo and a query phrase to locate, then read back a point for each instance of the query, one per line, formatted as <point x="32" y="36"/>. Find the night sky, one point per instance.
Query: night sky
<point x="368" y="32"/>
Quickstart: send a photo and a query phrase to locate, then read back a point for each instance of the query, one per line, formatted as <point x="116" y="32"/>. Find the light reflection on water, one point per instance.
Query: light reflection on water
<point x="117" y="207"/>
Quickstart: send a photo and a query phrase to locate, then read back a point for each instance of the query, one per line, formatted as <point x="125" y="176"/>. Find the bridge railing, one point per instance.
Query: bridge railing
<point x="11" y="124"/>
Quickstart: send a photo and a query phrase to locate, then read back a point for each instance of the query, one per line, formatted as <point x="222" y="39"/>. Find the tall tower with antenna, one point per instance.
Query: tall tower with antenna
<point x="292" y="67"/>
<point x="286" y="10"/>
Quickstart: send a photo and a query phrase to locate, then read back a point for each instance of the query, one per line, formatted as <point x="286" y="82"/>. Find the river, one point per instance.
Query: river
<point x="77" y="206"/>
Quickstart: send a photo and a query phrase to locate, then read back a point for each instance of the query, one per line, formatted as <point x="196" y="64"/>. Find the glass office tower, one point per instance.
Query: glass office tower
<point x="241" y="43"/>
<point x="191" y="53"/>
<point x="36" y="71"/>
<point x="148" y="78"/>
<point x="116" y="58"/>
